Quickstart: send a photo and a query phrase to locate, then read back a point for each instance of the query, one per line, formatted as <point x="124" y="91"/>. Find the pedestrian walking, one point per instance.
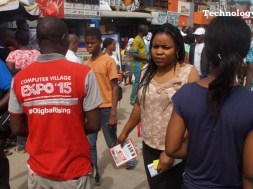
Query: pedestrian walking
<point x="109" y="46"/>
<point x="159" y="81"/>
<point x="73" y="46"/>
<point x="57" y="102"/>
<point x="5" y="84"/>
<point x="138" y="51"/>
<point x="18" y="60"/>
<point x="5" y="35"/>
<point x="22" y="24"/>
<point x="197" y="54"/>
<point x="127" y="61"/>
<point x="217" y="114"/>
<point x="106" y="74"/>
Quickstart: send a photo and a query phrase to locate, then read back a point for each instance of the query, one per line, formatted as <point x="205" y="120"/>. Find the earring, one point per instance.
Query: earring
<point x="177" y="56"/>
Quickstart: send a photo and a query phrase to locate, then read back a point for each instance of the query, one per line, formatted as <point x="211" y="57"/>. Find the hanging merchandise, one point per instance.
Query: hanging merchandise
<point x="10" y="10"/>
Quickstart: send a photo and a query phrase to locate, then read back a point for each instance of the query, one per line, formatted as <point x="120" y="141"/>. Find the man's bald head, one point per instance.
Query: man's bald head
<point x="143" y="29"/>
<point x="73" y="38"/>
<point x="73" y="42"/>
<point x="52" y="35"/>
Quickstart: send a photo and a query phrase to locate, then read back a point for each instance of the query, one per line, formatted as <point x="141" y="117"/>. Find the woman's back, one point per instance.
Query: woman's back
<point x="23" y="58"/>
<point x="217" y="113"/>
<point x="215" y="146"/>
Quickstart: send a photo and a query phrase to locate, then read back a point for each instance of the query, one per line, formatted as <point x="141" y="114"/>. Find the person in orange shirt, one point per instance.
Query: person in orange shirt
<point x="105" y="70"/>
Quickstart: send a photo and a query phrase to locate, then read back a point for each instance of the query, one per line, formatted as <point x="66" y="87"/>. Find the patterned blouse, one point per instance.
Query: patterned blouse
<point x="22" y="58"/>
<point x="156" y="112"/>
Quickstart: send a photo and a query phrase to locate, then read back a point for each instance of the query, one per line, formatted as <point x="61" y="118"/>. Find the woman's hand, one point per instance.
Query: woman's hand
<point x="122" y="138"/>
<point x="165" y="162"/>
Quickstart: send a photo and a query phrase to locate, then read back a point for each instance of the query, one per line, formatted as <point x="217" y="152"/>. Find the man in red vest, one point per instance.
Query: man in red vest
<point x="59" y="100"/>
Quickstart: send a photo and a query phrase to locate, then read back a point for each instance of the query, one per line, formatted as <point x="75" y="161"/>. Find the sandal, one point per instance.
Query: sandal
<point x="131" y="164"/>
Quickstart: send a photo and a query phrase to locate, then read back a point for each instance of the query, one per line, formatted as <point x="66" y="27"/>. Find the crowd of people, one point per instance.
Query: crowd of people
<point x="186" y="94"/>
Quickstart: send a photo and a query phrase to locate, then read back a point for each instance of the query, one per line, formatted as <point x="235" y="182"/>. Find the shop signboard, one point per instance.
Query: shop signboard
<point x="51" y="8"/>
<point x="160" y="18"/>
<point x="214" y="7"/>
<point x="70" y="9"/>
<point x="105" y="5"/>
<point x="201" y="8"/>
<point x="81" y="14"/>
<point x="184" y="8"/>
<point x="81" y="10"/>
<point x="173" y="18"/>
<point x="115" y="3"/>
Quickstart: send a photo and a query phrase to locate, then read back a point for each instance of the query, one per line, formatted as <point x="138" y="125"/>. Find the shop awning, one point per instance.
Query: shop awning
<point x="124" y="14"/>
<point x="11" y="10"/>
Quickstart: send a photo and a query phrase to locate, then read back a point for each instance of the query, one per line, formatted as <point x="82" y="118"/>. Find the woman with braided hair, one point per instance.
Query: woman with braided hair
<point x="159" y="81"/>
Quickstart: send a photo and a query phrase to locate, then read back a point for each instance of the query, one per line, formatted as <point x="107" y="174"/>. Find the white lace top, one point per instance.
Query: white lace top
<point x="156" y="112"/>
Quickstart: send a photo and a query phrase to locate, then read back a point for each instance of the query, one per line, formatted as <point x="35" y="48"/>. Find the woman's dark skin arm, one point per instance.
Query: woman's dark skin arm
<point x="18" y="124"/>
<point x="4" y="102"/>
<point x="247" y="162"/>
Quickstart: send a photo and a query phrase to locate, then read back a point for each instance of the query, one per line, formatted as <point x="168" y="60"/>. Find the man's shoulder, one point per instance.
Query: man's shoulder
<point x="69" y="52"/>
<point x="137" y="38"/>
<point x="60" y="64"/>
<point x="106" y="58"/>
<point x="77" y="66"/>
<point x="70" y="55"/>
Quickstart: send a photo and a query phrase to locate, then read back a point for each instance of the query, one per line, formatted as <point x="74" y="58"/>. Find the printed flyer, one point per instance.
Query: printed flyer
<point x="123" y="153"/>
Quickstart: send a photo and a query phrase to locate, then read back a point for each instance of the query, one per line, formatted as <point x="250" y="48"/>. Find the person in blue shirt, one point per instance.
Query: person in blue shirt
<point x="5" y="84"/>
<point x="212" y="119"/>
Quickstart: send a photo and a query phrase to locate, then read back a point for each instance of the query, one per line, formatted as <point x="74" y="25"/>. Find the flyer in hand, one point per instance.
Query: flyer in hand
<point x="152" y="167"/>
<point x="123" y="153"/>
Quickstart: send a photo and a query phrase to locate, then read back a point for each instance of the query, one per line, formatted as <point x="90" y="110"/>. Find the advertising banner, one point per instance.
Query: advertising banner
<point x="160" y="18"/>
<point x="184" y="8"/>
<point x="51" y="8"/>
<point x="173" y="18"/>
<point x="81" y="10"/>
<point x="69" y="9"/>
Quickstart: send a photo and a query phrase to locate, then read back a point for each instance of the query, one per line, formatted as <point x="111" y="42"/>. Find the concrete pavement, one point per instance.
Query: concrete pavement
<point x="111" y="178"/>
